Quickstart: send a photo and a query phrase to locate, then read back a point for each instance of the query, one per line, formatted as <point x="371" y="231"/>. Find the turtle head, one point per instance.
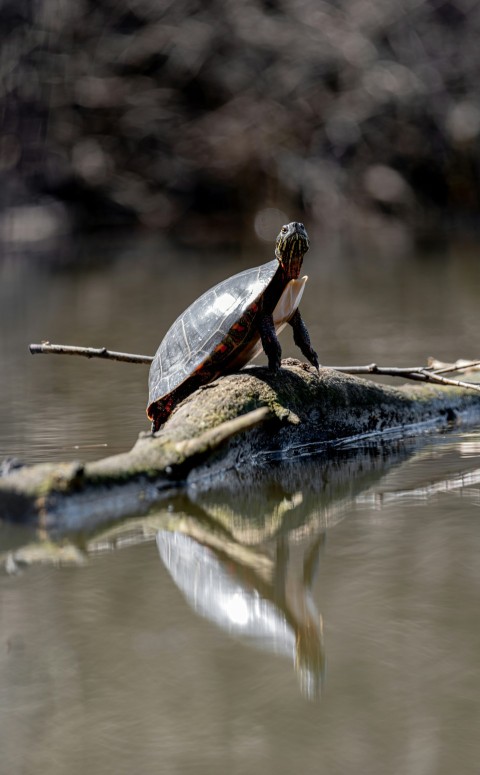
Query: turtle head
<point x="291" y="246"/>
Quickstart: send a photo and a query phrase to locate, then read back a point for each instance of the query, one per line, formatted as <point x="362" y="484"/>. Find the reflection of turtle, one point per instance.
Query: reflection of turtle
<point x="227" y="326"/>
<point x="267" y="602"/>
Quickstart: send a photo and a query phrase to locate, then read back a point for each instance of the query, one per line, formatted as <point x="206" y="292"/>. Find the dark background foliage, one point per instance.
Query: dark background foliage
<point x="192" y="116"/>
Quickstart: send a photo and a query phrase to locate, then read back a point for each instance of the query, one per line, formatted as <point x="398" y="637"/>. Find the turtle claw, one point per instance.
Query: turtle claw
<point x="275" y="365"/>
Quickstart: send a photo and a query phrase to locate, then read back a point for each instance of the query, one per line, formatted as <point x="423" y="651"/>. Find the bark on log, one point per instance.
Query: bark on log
<point x="239" y="420"/>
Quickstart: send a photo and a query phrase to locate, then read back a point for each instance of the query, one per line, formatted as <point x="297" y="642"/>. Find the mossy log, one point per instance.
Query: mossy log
<point x="236" y="421"/>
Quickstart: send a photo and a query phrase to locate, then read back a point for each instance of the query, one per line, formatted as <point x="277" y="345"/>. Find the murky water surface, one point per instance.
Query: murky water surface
<point x="322" y="616"/>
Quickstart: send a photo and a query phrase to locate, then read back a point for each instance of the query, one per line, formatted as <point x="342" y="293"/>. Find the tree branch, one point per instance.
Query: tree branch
<point x="461" y="365"/>
<point x="88" y="352"/>
<point x="419" y="373"/>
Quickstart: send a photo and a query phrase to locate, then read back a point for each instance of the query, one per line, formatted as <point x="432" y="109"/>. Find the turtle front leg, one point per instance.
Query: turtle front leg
<point x="302" y="339"/>
<point x="270" y="342"/>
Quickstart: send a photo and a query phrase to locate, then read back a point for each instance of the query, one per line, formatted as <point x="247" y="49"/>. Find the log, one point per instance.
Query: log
<point x="249" y="509"/>
<point x="240" y="420"/>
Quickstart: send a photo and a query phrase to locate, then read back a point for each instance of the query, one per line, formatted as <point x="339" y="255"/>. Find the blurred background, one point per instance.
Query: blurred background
<point x="204" y="118"/>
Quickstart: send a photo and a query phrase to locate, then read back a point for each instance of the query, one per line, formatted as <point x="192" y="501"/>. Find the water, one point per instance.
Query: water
<point x="322" y="617"/>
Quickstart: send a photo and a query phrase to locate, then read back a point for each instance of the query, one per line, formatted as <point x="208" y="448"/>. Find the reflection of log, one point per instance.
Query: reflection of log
<point x="248" y="507"/>
<point x="264" y="412"/>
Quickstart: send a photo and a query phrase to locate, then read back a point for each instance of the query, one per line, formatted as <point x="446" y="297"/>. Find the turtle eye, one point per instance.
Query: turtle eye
<point x="284" y="229"/>
<point x="301" y="225"/>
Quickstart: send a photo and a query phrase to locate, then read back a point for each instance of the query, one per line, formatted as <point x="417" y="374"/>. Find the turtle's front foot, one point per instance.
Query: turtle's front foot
<point x="302" y="339"/>
<point x="311" y="356"/>
<point x="274" y="364"/>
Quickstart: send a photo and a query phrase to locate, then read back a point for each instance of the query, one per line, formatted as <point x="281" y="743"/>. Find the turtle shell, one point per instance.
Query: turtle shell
<point x="215" y="335"/>
<point x="215" y="329"/>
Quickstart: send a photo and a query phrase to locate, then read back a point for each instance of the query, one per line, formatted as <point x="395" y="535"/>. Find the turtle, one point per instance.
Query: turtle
<point x="229" y="325"/>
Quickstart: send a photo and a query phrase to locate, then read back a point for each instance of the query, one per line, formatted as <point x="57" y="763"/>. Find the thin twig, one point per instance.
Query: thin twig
<point x="88" y="352"/>
<point x="434" y="377"/>
<point x="385" y="371"/>
<point x="418" y="373"/>
<point x="458" y="366"/>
